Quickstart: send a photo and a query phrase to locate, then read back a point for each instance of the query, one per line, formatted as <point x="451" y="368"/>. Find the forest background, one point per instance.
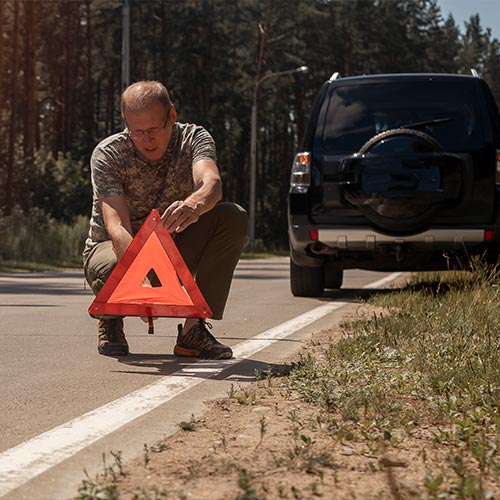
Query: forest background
<point x="60" y="85"/>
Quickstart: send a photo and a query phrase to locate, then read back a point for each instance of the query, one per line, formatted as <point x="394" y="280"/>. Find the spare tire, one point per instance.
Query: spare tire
<point x="418" y="141"/>
<point x="399" y="179"/>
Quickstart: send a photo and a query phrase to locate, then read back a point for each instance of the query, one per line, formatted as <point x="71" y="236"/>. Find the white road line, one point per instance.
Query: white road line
<point x="29" y="459"/>
<point x="384" y="281"/>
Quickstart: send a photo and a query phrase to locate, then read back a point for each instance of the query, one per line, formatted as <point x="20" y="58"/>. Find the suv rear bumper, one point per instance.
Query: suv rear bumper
<point x="350" y="238"/>
<point x="365" y="248"/>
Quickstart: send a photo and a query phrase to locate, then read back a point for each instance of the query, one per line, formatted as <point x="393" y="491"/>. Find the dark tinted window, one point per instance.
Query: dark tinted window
<point x="355" y="113"/>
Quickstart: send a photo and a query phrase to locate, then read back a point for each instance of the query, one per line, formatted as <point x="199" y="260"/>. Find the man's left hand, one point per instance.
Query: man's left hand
<point x="178" y="216"/>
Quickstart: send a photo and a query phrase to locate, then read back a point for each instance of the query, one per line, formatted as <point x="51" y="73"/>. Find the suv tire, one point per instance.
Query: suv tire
<point x="334" y="279"/>
<point x="306" y="281"/>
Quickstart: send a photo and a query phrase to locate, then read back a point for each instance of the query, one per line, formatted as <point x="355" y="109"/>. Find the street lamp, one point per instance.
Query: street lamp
<point x="253" y="148"/>
<point x="125" y="44"/>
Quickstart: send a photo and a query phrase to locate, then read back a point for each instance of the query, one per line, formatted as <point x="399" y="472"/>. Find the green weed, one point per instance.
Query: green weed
<point x="189" y="426"/>
<point x="433" y="350"/>
<point x="248" y="491"/>
<point x="97" y="490"/>
<point x="103" y="487"/>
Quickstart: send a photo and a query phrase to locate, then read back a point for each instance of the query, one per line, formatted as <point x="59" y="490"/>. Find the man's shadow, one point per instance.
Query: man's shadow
<point x="238" y="369"/>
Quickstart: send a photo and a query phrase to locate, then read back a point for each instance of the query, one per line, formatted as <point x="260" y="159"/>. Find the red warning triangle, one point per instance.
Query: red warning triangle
<point x="175" y="293"/>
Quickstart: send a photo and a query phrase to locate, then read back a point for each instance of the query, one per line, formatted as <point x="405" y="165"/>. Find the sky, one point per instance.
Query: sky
<point x="488" y="10"/>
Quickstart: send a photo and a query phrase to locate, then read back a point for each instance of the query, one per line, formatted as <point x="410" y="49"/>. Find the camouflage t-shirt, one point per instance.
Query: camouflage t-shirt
<point x="117" y="168"/>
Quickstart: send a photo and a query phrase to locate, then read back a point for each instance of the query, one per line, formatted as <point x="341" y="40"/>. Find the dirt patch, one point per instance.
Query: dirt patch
<point x="263" y="442"/>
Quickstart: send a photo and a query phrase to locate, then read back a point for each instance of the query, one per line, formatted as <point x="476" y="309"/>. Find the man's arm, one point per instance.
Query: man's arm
<point x="208" y="191"/>
<point x="117" y="222"/>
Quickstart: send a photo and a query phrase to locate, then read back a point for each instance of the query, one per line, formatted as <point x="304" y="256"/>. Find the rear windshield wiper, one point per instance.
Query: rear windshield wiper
<point x="437" y="121"/>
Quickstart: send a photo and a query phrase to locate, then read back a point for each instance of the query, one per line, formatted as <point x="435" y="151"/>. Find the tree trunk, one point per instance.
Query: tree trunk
<point x="3" y="103"/>
<point x="88" y="109"/>
<point x="9" y="184"/>
<point x="2" y="28"/>
<point x="259" y="150"/>
<point x="70" y="76"/>
<point x="30" y="115"/>
<point x="110" y="102"/>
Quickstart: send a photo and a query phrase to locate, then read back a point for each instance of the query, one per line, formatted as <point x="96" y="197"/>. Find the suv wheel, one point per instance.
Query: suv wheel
<point x="306" y="281"/>
<point x="334" y="279"/>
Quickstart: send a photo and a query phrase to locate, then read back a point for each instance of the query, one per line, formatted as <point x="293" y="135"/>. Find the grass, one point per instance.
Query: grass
<point x="14" y="266"/>
<point x="36" y="242"/>
<point x="103" y="487"/>
<point x="430" y="355"/>
<point x="188" y="426"/>
<point x="246" y="254"/>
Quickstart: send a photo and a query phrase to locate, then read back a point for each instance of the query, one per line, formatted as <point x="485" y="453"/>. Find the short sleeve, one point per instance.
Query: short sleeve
<point x="105" y="171"/>
<point x="203" y="146"/>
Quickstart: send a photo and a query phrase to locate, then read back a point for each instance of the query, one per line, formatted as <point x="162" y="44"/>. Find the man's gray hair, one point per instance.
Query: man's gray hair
<point x="141" y="95"/>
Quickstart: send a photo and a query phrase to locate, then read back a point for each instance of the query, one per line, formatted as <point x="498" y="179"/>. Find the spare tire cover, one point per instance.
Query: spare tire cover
<point x="399" y="179"/>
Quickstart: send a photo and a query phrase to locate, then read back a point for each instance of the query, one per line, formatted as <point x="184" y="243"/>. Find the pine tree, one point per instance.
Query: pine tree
<point x="474" y="46"/>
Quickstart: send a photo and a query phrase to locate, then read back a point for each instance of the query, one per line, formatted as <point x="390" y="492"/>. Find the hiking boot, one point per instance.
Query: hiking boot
<point x="198" y="342"/>
<point x="112" y="341"/>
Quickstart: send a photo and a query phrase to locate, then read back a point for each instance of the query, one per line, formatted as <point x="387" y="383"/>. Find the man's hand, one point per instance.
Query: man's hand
<point x="178" y="216"/>
<point x="207" y="192"/>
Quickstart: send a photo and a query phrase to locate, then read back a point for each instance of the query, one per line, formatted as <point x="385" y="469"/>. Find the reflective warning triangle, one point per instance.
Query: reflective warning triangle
<point x="152" y="253"/>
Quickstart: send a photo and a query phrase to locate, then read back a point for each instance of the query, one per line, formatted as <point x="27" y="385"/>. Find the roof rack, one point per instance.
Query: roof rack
<point x="475" y="74"/>
<point x="335" y="76"/>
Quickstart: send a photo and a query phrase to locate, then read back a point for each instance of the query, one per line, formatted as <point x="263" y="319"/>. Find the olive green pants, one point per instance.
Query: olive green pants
<point x="211" y="248"/>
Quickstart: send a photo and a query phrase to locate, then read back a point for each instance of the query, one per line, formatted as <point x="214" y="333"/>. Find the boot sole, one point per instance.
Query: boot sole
<point x="196" y="353"/>
<point x="113" y="350"/>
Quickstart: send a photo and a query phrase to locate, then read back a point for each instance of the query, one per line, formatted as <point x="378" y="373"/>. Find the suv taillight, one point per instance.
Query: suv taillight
<point x="300" y="178"/>
<point x="498" y="168"/>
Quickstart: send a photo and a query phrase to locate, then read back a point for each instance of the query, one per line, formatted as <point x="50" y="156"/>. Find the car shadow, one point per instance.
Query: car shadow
<point x="354" y="294"/>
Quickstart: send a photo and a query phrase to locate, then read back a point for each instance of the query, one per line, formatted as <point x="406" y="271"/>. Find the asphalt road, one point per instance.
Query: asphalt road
<point x="53" y="382"/>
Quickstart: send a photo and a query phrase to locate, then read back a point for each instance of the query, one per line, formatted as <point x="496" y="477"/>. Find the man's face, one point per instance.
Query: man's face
<point x="151" y="129"/>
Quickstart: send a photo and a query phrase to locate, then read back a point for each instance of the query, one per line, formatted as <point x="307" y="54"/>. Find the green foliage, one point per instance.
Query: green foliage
<point x="61" y="186"/>
<point x="35" y="236"/>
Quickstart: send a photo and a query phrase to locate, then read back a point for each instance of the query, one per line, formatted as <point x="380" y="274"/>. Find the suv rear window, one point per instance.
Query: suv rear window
<point x="355" y="113"/>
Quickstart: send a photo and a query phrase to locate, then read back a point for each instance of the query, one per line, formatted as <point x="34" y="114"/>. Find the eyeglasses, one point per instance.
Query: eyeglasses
<point x="150" y="132"/>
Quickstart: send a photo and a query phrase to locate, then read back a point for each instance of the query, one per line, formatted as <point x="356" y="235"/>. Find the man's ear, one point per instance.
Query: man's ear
<point x="173" y="114"/>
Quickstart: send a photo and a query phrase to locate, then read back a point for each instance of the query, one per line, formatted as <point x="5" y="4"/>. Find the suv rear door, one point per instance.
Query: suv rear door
<point x="451" y="110"/>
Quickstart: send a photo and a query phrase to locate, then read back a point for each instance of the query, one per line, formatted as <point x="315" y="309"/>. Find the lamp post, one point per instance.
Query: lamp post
<point x="125" y="44"/>
<point x="253" y="148"/>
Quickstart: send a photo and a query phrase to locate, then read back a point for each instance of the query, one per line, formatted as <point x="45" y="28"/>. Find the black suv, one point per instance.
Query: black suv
<point x="395" y="172"/>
